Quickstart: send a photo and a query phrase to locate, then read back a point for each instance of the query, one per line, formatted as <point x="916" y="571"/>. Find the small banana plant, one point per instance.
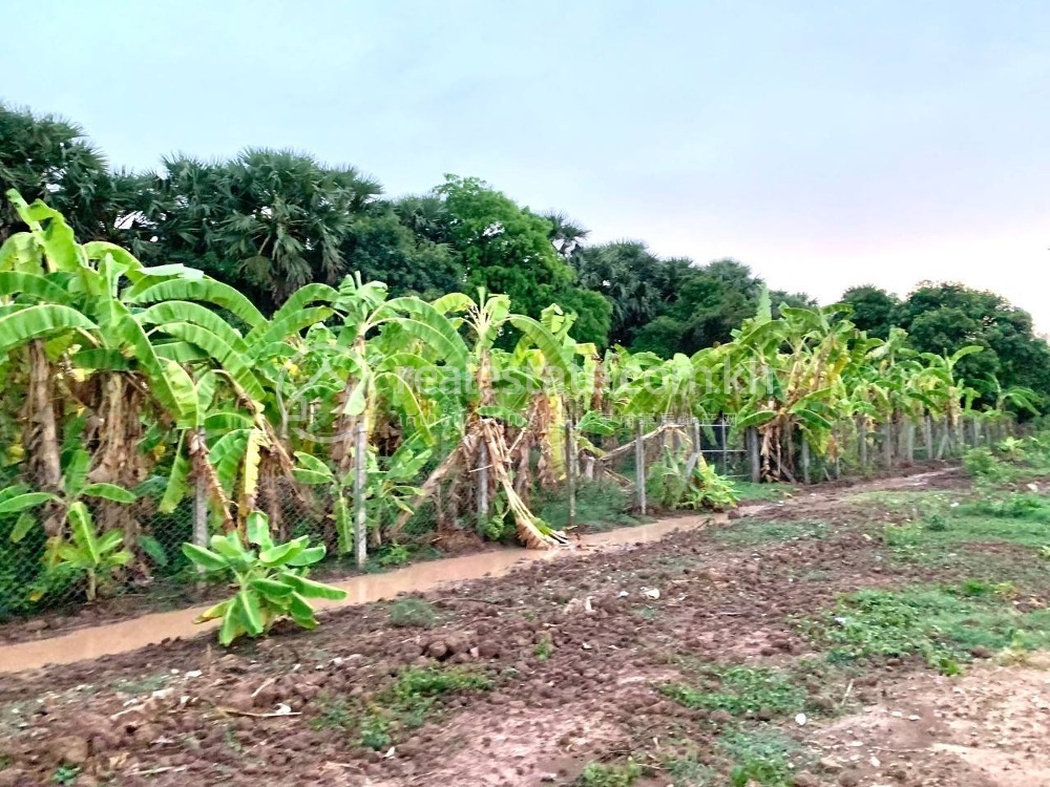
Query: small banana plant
<point x="78" y="546"/>
<point x="271" y="580"/>
<point x="86" y="552"/>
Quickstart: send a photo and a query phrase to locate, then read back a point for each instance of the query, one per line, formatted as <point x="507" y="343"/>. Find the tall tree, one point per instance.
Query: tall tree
<point x="565" y="234"/>
<point x="48" y="158"/>
<point x="942" y="318"/>
<point x="267" y="221"/>
<point x="874" y="310"/>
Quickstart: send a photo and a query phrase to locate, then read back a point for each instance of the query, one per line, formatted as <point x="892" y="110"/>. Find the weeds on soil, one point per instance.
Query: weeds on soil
<point x="598" y="774"/>
<point x="404" y="705"/>
<point x="762" y="756"/>
<point x="66" y="775"/>
<point x="413" y="613"/>
<point x="740" y="691"/>
<point x="942" y="626"/>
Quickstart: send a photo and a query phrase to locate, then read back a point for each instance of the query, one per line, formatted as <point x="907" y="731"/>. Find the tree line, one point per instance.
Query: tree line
<point x="267" y="222"/>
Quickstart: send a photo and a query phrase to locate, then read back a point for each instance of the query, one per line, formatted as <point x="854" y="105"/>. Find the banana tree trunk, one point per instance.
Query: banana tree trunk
<point x="753" y="455"/>
<point x="41" y="439"/>
<point x="570" y="467"/>
<point x="639" y="466"/>
<point x="887" y="444"/>
<point x="862" y="443"/>
<point x="360" y="471"/>
<point x="483" y="485"/>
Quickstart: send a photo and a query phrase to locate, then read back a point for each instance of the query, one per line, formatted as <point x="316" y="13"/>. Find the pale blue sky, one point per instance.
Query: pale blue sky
<point x="823" y="143"/>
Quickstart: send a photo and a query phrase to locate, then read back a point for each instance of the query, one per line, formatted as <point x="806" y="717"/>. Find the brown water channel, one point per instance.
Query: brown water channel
<point x="135" y="633"/>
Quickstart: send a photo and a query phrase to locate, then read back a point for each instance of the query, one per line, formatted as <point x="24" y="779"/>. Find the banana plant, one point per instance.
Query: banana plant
<point x="271" y="580"/>
<point x="77" y="546"/>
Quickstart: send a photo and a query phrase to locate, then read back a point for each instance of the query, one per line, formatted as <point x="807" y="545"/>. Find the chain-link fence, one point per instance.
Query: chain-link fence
<point x="643" y="468"/>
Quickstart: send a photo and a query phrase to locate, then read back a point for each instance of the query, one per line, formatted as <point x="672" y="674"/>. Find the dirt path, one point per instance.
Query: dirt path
<point x="687" y="661"/>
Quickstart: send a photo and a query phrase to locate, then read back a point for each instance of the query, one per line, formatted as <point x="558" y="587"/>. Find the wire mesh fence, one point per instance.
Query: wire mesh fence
<point x="606" y="480"/>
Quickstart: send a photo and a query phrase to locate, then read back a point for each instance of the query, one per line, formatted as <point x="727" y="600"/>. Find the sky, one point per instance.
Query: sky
<point x="825" y="144"/>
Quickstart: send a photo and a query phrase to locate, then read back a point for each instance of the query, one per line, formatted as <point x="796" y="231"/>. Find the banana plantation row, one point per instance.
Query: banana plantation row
<point x="127" y="391"/>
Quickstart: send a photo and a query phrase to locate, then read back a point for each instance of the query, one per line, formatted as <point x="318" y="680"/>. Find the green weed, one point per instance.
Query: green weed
<point x="689" y="771"/>
<point x="335" y="714"/>
<point x="1011" y="505"/>
<point x="407" y="703"/>
<point x="404" y="705"/>
<point x="394" y="555"/>
<point x="761" y="756"/>
<point x="412" y="613"/>
<point x="66" y="774"/>
<point x="942" y="626"/>
<point x="763" y="493"/>
<point x="740" y="691"/>
<point x="597" y="774"/>
<point x="543" y="649"/>
<point x="375" y="731"/>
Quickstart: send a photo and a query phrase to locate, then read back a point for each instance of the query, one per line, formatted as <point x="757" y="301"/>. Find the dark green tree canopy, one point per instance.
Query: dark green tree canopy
<point x="942" y="318"/>
<point x="48" y="158"/>
<point x="874" y="310"/>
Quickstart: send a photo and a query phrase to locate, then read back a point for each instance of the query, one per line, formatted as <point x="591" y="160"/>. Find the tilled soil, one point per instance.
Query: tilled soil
<point x="572" y="653"/>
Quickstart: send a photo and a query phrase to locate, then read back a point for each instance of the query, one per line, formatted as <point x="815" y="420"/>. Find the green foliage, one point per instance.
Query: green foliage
<point x="271" y="581"/>
<point x="413" y="613"/>
<point x="600" y="505"/>
<point x="504" y="248"/>
<point x="984" y="467"/>
<point x="749" y="492"/>
<point x="939" y="625"/>
<point x="45" y="157"/>
<point x="597" y="774"/>
<point x="1012" y="505"/>
<point x="543" y="649"/>
<point x="86" y="553"/>
<point x="763" y="757"/>
<point x="394" y="555"/>
<point x="407" y="703"/>
<point x="689" y="770"/>
<point x="683" y="481"/>
<point x="739" y="691"/>
<point x="66" y="774"/>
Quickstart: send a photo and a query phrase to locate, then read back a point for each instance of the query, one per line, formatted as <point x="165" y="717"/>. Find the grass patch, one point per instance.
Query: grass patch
<point x="750" y="492"/>
<point x="413" y="613"/>
<point x="940" y="625"/>
<point x="689" y="771"/>
<point x="597" y="774"/>
<point x="937" y="541"/>
<point x="765" y="757"/>
<point x="740" y="691"/>
<point x="404" y="705"/>
<point x="750" y="532"/>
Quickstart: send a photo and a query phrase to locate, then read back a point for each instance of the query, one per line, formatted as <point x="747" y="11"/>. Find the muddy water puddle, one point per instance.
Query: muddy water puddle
<point x="128" y="635"/>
